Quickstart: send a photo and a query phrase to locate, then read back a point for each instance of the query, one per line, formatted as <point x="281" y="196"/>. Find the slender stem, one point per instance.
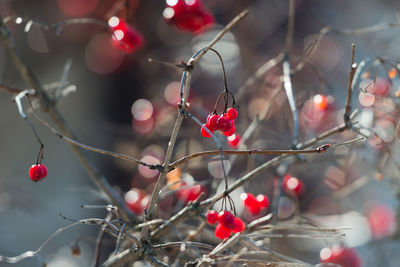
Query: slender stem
<point x="242" y="152"/>
<point x="290" y="29"/>
<point x="353" y="68"/>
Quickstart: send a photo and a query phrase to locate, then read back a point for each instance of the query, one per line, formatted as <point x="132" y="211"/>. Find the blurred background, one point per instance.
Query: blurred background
<point x="126" y="104"/>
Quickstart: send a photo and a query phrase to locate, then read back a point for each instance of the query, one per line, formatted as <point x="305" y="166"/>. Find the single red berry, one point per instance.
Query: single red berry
<point x="249" y="199"/>
<point x="212" y="121"/>
<point x="263" y="200"/>
<point x="233" y="140"/>
<point x="222" y="232"/>
<point x="224" y="124"/>
<point x="239" y="225"/>
<point x="230" y="131"/>
<point x="117" y="23"/>
<point x="127" y="40"/>
<point x="232" y="113"/>
<point x="346" y="257"/>
<point x="212" y="217"/>
<point x="134" y="198"/>
<point x="190" y="193"/>
<point x="204" y="132"/>
<point x="37" y="172"/>
<point x="320" y="102"/>
<point x="226" y="219"/>
<point x="293" y="185"/>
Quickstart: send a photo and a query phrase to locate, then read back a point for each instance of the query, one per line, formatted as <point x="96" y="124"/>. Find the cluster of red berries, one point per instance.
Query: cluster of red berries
<point x="292" y="185"/>
<point x="254" y="204"/>
<point x="125" y="37"/>
<point x="343" y="256"/>
<point x="190" y="193"/>
<point x="187" y="15"/>
<point x="224" y="123"/>
<point x="227" y="223"/>
<point x="37" y="172"/>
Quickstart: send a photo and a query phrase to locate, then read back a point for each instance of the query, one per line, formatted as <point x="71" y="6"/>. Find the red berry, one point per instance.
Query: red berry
<point x="204" y="132"/>
<point x="346" y="257"/>
<point x="224" y="124"/>
<point x="320" y="102"/>
<point x="212" y="121"/>
<point x="187" y="15"/>
<point x="233" y="140"/>
<point x="127" y="40"/>
<point x="117" y="23"/>
<point x="212" y="217"/>
<point x="222" y="232"/>
<point x="263" y="200"/>
<point x="249" y="200"/>
<point x="239" y="225"/>
<point x="226" y="219"/>
<point x="37" y="172"/>
<point x="133" y="199"/>
<point x="232" y="113"/>
<point x="230" y="132"/>
<point x="191" y="193"/>
<point x="293" y="185"/>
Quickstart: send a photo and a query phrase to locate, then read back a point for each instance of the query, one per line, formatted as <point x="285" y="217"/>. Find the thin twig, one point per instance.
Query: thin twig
<point x="353" y="68"/>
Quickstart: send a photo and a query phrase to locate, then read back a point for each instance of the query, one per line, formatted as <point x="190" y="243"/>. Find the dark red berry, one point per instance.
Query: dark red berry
<point x="230" y="132"/>
<point x="222" y="232"/>
<point x="37" y="172"/>
<point x="204" y="132"/>
<point x="212" y="217"/>
<point x="226" y="219"/>
<point x="263" y="200"/>
<point x="239" y="225"/>
<point x="224" y="124"/>
<point x="212" y="121"/>
<point x="232" y="113"/>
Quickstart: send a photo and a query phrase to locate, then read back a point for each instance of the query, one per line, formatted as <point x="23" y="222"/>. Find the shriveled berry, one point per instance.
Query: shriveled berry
<point x="224" y="124"/>
<point x="37" y="172"/>
<point x="212" y="121"/>
<point x="226" y="219"/>
<point x="222" y="232"/>
<point x="232" y="113"/>
<point x="212" y="217"/>
<point x="204" y="132"/>
<point x="230" y="132"/>
<point x="239" y="225"/>
<point x="263" y="200"/>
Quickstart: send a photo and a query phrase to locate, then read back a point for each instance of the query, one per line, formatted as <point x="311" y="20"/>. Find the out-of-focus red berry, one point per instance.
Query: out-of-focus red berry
<point x="263" y="200"/>
<point x="345" y="257"/>
<point x="204" y="132"/>
<point x="221" y="231"/>
<point x="293" y="185"/>
<point x="233" y="140"/>
<point x="239" y="225"/>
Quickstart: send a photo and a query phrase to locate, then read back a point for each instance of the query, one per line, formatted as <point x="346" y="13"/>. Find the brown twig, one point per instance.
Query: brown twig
<point x="353" y="68"/>
<point x="250" y="152"/>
